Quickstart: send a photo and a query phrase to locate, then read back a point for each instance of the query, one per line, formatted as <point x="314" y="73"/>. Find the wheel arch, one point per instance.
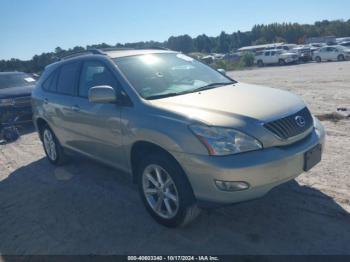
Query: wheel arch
<point x="40" y="124"/>
<point x="142" y="147"/>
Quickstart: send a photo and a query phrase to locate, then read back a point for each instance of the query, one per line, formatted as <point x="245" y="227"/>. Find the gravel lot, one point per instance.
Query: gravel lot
<point x="87" y="208"/>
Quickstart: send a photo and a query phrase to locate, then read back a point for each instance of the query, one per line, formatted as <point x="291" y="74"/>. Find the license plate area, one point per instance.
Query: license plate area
<point x="312" y="157"/>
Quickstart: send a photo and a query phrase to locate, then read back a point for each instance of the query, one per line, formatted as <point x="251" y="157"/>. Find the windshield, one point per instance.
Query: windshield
<point x="15" y="80"/>
<point x="168" y="74"/>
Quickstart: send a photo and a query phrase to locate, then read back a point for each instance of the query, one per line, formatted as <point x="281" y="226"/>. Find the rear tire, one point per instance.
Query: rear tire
<point x="341" y="58"/>
<point x="166" y="192"/>
<point x="318" y="59"/>
<point x="52" y="147"/>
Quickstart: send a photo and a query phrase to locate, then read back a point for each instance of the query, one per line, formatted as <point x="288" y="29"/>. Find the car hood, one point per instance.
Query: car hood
<point x="233" y="104"/>
<point x="13" y="92"/>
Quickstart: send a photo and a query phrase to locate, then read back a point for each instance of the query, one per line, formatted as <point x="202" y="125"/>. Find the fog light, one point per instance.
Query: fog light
<point x="231" y="186"/>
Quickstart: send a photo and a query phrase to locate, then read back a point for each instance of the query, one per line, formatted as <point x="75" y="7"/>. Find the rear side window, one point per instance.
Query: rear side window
<point x="50" y="84"/>
<point x="68" y="78"/>
<point x="94" y="73"/>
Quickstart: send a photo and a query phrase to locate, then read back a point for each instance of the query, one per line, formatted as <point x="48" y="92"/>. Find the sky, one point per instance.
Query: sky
<point x="30" y="27"/>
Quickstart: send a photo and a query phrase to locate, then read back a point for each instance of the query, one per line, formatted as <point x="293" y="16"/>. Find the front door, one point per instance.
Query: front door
<point x="97" y="126"/>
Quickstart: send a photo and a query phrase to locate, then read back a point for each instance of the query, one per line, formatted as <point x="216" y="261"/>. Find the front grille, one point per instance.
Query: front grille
<point x="288" y="127"/>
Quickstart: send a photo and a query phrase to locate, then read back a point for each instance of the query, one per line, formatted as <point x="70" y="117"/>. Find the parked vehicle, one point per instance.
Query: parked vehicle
<point x="233" y="57"/>
<point x="15" y="100"/>
<point x="269" y="57"/>
<point x="346" y="44"/>
<point x="191" y="137"/>
<point x="332" y="53"/>
<point x="304" y="53"/>
<point x="209" y="59"/>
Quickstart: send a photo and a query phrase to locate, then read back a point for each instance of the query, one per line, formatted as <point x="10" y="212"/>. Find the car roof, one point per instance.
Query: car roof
<point x="109" y="52"/>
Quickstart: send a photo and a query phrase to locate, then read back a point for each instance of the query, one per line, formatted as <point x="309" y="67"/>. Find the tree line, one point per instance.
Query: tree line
<point x="224" y="43"/>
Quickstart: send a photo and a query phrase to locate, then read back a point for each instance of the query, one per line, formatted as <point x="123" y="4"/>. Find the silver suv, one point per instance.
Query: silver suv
<point x="190" y="136"/>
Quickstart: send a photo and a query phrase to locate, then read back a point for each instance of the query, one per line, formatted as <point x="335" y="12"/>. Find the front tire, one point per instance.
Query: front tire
<point x="318" y="59"/>
<point x="341" y="58"/>
<point x="166" y="192"/>
<point x="53" y="149"/>
<point x="281" y="62"/>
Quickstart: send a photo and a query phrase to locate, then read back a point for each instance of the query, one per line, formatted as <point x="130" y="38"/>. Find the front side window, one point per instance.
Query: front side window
<point x="67" y="78"/>
<point x="8" y="80"/>
<point x="168" y="74"/>
<point x="93" y="74"/>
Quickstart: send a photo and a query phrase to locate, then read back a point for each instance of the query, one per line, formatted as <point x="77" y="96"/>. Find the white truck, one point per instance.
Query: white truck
<point x="268" y="57"/>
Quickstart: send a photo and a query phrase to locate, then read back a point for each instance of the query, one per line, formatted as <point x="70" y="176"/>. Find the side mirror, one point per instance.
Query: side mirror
<point x="102" y="95"/>
<point x="222" y="71"/>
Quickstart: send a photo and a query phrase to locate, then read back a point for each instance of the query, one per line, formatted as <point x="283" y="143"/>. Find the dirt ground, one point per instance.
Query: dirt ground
<point x="87" y="208"/>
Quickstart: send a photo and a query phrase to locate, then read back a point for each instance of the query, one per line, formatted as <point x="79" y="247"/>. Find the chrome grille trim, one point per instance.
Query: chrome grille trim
<point x="287" y="127"/>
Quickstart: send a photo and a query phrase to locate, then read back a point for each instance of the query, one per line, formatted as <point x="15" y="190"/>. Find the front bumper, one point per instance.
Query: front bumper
<point x="263" y="170"/>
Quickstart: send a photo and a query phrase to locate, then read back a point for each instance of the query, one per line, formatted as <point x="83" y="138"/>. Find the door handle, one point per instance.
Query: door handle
<point x="76" y="108"/>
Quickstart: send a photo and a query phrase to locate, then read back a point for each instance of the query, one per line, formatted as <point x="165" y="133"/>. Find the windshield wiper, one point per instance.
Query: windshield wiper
<point x="162" y="96"/>
<point x="206" y="87"/>
<point x="212" y="85"/>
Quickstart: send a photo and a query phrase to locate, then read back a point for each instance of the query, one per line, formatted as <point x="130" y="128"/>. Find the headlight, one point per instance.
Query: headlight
<point x="6" y="102"/>
<point x="224" y="141"/>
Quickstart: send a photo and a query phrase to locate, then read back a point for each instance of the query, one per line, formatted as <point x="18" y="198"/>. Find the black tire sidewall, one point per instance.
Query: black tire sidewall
<point x="341" y="58"/>
<point x="186" y="197"/>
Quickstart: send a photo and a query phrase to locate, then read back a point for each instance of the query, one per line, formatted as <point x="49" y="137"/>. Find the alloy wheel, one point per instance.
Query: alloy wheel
<point x="50" y="145"/>
<point x="160" y="191"/>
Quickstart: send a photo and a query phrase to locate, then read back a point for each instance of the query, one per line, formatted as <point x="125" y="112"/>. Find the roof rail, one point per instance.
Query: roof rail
<point x="115" y="49"/>
<point x="86" y="52"/>
<point x="130" y="48"/>
<point x="157" y="48"/>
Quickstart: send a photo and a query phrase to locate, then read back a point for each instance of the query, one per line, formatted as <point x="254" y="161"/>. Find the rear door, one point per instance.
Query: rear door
<point x="267" y="57"/>
<point x="323" y="54"/>
<point x="97" y="126"/>
<point x="59" y="94"/>
<point x="274" y="57"/>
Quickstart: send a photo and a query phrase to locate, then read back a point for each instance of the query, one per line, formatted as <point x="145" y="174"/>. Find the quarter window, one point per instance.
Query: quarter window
<point x="67" y="78"/>
<point x="93" y="74"/>
<point x="50" y="83"/>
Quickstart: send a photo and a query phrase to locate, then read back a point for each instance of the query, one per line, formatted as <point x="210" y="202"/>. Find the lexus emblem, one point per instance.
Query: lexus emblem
<point x="300" y="121"/>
